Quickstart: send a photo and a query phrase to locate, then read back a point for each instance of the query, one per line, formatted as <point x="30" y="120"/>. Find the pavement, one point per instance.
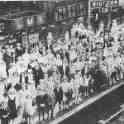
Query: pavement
<point x="100" y="110"/>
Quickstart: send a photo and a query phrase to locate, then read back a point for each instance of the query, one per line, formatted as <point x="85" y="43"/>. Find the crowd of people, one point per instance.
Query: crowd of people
<point x="51" y="76"/>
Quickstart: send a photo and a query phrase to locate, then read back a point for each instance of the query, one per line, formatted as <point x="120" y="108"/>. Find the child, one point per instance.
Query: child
<point x="87" y="78"/>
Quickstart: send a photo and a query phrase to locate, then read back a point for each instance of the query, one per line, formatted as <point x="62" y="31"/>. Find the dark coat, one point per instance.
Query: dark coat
<point x="12" y="109"/>
<point x="38" y="74"/>
<point x="58" y="95"/>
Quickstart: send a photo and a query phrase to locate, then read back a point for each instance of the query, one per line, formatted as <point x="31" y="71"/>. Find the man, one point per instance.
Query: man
<point x="38" y="75"/>
<point x="12" y="105"/>
<point x="58" y="96"/>
<point x="19" y="50"/>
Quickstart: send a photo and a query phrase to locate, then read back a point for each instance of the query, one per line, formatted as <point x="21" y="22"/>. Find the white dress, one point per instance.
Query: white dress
<point x="3" y="73"/>
<point x="86" y="81"/>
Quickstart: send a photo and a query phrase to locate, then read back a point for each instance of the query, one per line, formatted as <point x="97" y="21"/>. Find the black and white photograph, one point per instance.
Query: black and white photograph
<point x="62" y="62"/>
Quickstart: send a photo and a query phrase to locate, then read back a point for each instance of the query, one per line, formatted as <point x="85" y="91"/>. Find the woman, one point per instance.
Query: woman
<point x="59" y="65"/>
<point x="87" y="78"/>
<point x="29" y="109"/>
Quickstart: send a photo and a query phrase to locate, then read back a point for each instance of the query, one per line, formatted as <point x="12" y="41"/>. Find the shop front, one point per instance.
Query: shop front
<point x="65" y="14"/>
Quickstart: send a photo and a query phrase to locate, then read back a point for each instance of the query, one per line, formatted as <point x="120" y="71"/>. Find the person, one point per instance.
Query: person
<point x="58" y="96"/>
<point x="4" y="109"/>
<point x="26" y="56"/>
<point x="49" y="39"/>
<point x="12" y="105"/>
<point x="7" y="59"/>
<point x="38" y="75"/>
<point x="66" y="68"/>
<point x="87" y="78"/>
<point x="59" y="65"/>
<point x="66" y="87"/>
<point x="29" y="109"/>
<point x="19" y="50"/>
<point x="3" y="73"/>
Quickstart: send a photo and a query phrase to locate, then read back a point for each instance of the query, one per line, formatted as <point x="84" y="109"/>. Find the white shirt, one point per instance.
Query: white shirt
<point x="3" y="73"/>
<point x="26" y="57"/>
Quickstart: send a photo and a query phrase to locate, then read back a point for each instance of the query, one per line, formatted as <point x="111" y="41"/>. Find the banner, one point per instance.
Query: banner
<point x="104" y="6"/>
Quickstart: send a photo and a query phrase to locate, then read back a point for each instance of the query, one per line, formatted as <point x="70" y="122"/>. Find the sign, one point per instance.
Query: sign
<point x="104" y="3"/>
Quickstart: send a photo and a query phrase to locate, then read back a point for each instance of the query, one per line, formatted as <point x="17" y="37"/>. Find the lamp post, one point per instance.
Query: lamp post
<point x="109" y="17"/>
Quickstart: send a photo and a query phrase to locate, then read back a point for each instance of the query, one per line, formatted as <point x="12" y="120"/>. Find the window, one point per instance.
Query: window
<point x="30" y="21"/>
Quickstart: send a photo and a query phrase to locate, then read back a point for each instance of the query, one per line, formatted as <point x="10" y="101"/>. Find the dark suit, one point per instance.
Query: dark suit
<point x="38" y="74"/>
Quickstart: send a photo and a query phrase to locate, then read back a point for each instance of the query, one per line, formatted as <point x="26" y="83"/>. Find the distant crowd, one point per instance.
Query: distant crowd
<point x="47" y="78"/>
